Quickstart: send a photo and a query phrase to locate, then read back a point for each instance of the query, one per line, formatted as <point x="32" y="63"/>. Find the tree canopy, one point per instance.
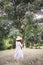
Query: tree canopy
<point x="16" y="18"/>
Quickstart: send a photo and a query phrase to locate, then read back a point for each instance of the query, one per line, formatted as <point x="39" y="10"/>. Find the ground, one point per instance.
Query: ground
<point x="31" y="57"/>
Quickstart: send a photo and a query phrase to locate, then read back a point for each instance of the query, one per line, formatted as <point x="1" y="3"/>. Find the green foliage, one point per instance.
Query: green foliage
<point x="19" y="21"/>
<point x="5" y="44"/>
<point x="14" y="32"/>
<point x="1" y="45"/>
<point x="32" y="29"/>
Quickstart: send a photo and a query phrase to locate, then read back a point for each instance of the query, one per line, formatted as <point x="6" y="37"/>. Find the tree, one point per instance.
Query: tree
<point x="22" y="21"/>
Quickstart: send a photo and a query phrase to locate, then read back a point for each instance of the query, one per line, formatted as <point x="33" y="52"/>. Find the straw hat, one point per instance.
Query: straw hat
<point x="19" y="38"/>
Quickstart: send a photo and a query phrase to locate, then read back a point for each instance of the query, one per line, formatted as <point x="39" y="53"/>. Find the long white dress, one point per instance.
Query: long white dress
<point x="18" y="51"/>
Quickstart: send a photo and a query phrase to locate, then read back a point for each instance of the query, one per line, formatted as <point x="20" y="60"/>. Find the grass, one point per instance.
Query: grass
<point x="31" y="57"/>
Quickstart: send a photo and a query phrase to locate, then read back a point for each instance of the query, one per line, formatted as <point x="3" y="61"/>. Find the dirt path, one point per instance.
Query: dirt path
<point x="31" y="57"/>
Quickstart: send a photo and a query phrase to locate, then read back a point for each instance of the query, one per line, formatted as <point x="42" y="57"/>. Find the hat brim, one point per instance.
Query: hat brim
<point x="19" y="38"/>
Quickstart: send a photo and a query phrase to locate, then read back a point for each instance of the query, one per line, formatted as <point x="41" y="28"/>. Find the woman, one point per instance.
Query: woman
<point x="18" y="51"/>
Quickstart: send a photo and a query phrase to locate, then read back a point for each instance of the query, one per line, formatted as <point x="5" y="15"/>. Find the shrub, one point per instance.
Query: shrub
<point x="2" y="46"/>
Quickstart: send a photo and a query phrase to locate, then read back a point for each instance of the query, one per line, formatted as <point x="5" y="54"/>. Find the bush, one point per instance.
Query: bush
<point x="27" y="44"/>
<point x="7" y="44"/>
<point x="2" y="46"/>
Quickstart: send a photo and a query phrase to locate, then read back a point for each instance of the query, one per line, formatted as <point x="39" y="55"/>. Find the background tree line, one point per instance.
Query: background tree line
<point x="17" y="18"/>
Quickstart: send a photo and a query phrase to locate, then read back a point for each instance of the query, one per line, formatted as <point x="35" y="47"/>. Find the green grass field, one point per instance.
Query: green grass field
<point x="31" y="57"/>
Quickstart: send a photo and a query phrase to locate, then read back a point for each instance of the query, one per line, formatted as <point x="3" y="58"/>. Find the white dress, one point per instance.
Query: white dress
<point x="18" y="51"/>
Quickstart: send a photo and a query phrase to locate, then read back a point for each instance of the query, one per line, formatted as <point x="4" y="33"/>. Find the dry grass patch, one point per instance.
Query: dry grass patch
<point x="31" y="57"/>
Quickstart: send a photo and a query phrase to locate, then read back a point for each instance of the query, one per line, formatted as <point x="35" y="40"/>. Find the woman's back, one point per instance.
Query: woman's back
<point x="18" y="44"/>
